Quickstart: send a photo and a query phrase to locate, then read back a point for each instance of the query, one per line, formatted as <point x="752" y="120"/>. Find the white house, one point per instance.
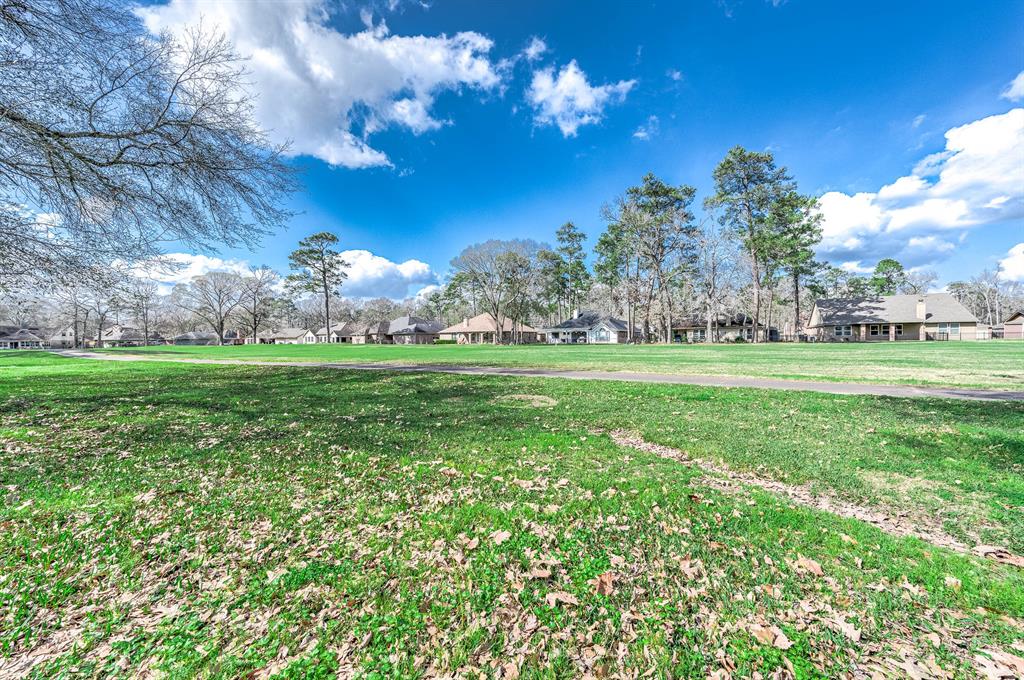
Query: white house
<point x="588" y="328"/>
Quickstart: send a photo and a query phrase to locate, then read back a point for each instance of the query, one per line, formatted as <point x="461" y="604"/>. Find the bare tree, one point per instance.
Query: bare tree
<point x="712" y="274"/>
<point x="918" y="281"/>
<point x="212" y="297"/>
<point x="140" y="298"/>
<point x="489" y="271"/>
<point x="257" y="304"/>
<point x="113" y="141"/>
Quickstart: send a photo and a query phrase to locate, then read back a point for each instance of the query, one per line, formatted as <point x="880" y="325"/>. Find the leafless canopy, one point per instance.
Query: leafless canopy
<point x="113" y="142"/>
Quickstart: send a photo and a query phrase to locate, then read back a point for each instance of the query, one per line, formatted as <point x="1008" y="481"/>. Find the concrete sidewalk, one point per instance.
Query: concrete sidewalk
<point x="904" y="391"/>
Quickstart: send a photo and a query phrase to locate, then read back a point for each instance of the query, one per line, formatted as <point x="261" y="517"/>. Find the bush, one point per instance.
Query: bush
<point x="439" y="341"/>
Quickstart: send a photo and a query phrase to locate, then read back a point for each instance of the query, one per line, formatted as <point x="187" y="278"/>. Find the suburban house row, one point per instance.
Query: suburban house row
<point x="892" y="318"/>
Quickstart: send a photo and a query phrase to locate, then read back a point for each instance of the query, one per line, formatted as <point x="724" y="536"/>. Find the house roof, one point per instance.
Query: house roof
<point x="1016" y="317"/>
<point x="288" y="333"/>
<point x="336" y="327"/>
<point x="939" y="308"/>
<point x="589" y="320"/>
<point x="484" y="323"/>
<point x="412" y="325"/>
<point x="22" y="335"/>
<point x="375" y="328"/>
<point x="196" y="335"/>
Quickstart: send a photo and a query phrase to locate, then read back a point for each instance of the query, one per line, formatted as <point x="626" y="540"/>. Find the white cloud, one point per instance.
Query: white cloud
<point x="535" y="49"/>
<point x="1011" y="267"/>
<point x="568" y="100"/>
<point x="423" y="293"/>
<point x="648" y="129"/>
<point x="1014" y="91"/>
<point x="371" y="275"/>
<point x="918" y="119"/>
<point x="174" y="268"/>
<point x="327" y="91"/>
<point x="674" y="74"/>
<point x="977" y="179"/>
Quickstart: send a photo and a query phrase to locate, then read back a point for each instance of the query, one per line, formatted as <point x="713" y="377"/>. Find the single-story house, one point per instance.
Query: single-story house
<point x="375" y="333"/>
<point x="196" y="338"/>
<point x="412" y="330"/>
<point x="23" y="338"/>
<point x="290" y="336"/>
<point x="929" y="316"/>
<point x="588" y="328"/>
<point x="127" y="336"/>
<point x="724" y="328"/>
<point x="340" y="332"/>
<point x="1013" y="326"/>
<point x="482" y="328"/>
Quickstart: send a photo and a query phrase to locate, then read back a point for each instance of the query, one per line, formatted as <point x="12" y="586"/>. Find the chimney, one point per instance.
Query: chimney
<point x="576" y="313"/>
<point x="465" y="321"/>
<point x="921" y="311"/>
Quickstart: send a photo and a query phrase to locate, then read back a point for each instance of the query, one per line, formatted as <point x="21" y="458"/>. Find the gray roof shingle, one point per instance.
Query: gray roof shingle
<point x="939" y="308"/>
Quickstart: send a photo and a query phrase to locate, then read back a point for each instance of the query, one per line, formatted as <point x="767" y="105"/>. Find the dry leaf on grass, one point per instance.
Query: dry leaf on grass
<point x="809" y="565"/>
<point x="500" y="537"/>
<point x="999" y="554"/>
<point x="604" y="584"/>
<point x="771" y="635"/>
<point x="560" y="597"/>
<point x="997" y="665"/>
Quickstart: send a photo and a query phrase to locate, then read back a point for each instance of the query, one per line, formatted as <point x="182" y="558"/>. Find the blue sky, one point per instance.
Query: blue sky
<point x="424" y="128"/>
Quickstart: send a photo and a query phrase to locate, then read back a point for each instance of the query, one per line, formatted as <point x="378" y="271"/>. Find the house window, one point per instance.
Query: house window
<point x="899" y="329"/>
<point x="601" y="335"/>
<point x="951" y="328"/>
<point x="874" y="329"/>
<point x="843" y="331"/>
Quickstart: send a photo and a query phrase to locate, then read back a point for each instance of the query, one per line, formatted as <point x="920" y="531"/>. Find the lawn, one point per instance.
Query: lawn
<point x="990" y="364"/>
<point x="224" y="521"/>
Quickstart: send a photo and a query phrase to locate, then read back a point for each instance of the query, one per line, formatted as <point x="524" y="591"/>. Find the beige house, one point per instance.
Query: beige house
<point x="929" y="316"/>
<point x="290" y="336"/>
<point x="1013" y="327"/>
<point x="340" y="332"/>
<point x="482" y="328"/>
<point x="368" y="334"/>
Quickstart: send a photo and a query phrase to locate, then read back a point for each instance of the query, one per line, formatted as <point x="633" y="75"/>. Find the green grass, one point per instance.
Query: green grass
<point x="991" y="364"/>
<point x="225" y="520"/>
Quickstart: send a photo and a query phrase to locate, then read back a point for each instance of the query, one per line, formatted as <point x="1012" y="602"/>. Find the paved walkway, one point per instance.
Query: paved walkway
<point x="906" y="391"/>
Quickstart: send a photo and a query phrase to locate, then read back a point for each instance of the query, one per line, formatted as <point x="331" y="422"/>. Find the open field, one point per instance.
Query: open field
<point x="993" y="364"/>
<point x="229" y="520"/>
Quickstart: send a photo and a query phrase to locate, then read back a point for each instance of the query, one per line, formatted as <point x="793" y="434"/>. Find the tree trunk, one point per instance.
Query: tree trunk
<point x="796" y="305"/>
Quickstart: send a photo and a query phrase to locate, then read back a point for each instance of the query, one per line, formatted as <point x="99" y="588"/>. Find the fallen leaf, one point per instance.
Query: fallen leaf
<point x="847" y="629"/>
<point x="603" y="584"/>
<point x="500" y="537"/>
<point x="999" y="554"/>
<point x="809" y="565"/>
<point x="560" y="597"/>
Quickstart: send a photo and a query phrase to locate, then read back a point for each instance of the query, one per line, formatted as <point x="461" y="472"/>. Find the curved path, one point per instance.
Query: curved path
<point x="623" y="376"/>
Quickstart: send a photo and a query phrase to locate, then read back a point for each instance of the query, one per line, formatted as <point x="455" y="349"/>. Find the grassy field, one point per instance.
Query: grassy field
<point x="992" y="364"/>
<point x="231" y="521"/>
